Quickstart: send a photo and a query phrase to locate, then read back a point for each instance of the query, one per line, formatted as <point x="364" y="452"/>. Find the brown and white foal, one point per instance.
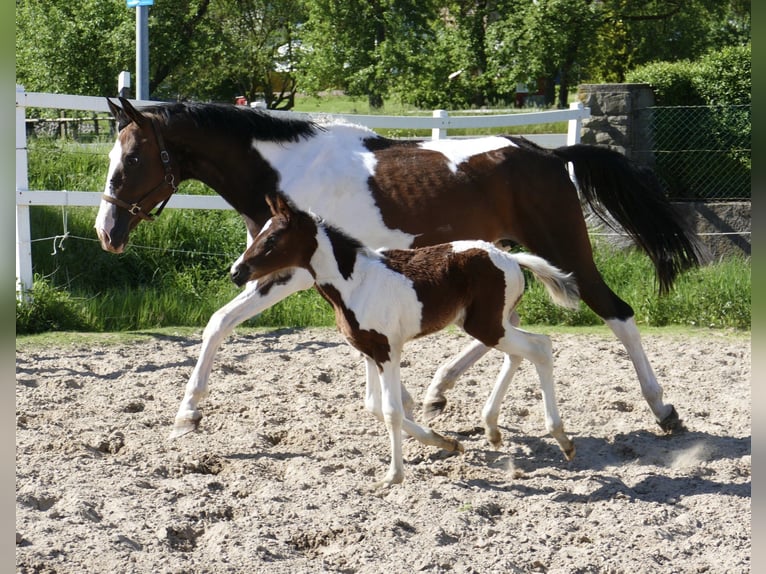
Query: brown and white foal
<point x="385" y="298"/>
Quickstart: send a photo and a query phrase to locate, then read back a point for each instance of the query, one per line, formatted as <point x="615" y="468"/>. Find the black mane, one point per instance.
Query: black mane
<point x="237" y="121"/>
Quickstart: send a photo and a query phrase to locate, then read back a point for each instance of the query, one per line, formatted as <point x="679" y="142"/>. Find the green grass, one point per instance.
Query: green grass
<point x="175" y="271"/>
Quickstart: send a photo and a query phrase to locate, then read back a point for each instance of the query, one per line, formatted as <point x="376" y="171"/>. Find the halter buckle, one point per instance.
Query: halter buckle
<point x="134" y="209"/>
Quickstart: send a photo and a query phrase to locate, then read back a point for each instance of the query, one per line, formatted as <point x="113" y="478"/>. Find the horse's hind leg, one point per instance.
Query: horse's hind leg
<point x="491" y="411"/>
<point x="448" y="374"/>
<point x="255" y="298"/>
<point x="627" y="332"/>
<point x="446" y="377"/>
<point x="537" y="348"/>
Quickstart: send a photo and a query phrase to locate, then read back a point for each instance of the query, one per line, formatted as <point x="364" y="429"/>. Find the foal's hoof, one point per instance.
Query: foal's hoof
<point x="182" y="427"/>
<point x="434" y="408"/>
<point x="570" y="451"/>
<point x="672" y="424"/>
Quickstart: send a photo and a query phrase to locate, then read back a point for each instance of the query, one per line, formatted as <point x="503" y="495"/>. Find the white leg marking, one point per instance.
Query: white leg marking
<point x="538" y="349"/>
<point x="491" y="411"/>
<point x="627" y="332"/>
<point x="447" y="375"/>
<point x="245" y="305"/>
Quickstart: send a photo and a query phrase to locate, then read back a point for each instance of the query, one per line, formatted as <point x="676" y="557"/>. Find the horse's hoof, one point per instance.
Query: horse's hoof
<point x="569" y="452"/>
<point x="434" y="409"/>
<point x="672" y="424"/>
<point x="183" y="427"/>
<point x="494" y="438"/>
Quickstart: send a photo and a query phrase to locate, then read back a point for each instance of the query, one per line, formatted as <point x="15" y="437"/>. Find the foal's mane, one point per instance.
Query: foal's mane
<point x="237" y="121"/>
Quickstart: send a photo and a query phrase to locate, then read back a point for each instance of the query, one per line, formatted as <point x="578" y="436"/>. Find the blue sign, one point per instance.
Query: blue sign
<point x="134" y="3"/>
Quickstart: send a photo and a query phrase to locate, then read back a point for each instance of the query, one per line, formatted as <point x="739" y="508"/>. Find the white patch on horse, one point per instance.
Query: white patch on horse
<point x="249" y="242"/>
<point x="324" y="174"/>
<point x="459" y="150"/>
<point x="105" y="219"/>
<point x="362" y="291"/>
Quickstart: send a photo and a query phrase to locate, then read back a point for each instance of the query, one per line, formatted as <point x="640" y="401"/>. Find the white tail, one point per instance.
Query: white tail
<point x="561" y="286"/>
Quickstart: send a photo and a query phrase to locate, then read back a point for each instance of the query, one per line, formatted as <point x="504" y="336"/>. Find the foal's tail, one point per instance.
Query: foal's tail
<point x="617" y="190"/>
<point x="562" y="287"/>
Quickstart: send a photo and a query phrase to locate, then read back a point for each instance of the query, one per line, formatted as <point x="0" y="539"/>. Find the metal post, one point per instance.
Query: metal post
<point x="23" y="228"/>
<point x="142" y="52"/>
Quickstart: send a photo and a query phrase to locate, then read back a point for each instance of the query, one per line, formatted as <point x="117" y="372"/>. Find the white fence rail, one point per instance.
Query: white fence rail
<point x="439" y="124"/>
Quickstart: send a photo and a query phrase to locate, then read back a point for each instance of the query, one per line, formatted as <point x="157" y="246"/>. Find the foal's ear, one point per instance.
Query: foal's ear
<point x="279" y="205"/>
<point x="132" y="113"/>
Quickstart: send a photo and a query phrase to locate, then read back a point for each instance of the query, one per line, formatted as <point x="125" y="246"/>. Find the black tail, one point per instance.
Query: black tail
<point x="618" y="190"/>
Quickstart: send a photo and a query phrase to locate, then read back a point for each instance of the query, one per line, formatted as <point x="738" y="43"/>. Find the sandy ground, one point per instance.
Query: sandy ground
<point x="277" y="478"/>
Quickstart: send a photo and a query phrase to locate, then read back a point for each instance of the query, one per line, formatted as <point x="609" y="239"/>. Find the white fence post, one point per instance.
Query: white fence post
<point x="23" y="229"/>
<point x="439" y="133"/>
<point x="574" y="126"/>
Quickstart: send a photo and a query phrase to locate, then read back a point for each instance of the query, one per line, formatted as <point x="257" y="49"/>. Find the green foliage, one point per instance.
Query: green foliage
<point x="719" y="77"/>
<point x="716" y="295"/>
<point x="50" y="309"/>
<point x="674" y="83"/>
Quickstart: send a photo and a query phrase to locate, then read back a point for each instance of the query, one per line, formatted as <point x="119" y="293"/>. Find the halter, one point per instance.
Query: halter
<point x="168" y="180"/>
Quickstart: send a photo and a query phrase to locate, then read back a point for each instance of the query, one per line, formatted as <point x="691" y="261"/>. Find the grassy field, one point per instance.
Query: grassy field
<point x="175" y="272"/>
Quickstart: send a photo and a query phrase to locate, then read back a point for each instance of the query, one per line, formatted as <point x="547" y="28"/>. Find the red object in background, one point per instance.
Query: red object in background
<point x="240" y="100"/>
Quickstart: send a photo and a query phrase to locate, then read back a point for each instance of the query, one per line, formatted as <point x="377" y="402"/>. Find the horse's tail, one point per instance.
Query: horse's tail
<point x="617" y="190"/>
<point x="562" y="287"/>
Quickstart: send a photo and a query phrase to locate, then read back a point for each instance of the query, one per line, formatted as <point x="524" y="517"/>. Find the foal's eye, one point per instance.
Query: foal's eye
<point x="270" y="242"/>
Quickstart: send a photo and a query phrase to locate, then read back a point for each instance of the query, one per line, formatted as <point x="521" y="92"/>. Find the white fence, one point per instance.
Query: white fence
<point x="439" y="124"/>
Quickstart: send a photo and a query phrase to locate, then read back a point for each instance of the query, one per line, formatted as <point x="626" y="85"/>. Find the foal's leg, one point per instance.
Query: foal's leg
<point x="448" y="374"/>
<point x="537" y="348"/>
<point x="372" y="393"/>
<point x="491" y="411"/>
<point x="256" y="297"/>
<point x="384" y="400"/>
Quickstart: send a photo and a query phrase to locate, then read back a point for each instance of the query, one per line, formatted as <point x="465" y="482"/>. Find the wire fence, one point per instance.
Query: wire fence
<point x="700" y="153"/>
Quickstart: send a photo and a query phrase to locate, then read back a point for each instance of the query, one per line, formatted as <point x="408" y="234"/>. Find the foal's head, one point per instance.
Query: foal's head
<point x="287" y="240"/>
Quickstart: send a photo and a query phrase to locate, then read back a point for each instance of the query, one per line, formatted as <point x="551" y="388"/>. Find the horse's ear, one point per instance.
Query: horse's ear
<point x="271" y="202"/>
<point x="118" y="113"/>
<point x="132" y="113"/>
<point x="282" y="207"/>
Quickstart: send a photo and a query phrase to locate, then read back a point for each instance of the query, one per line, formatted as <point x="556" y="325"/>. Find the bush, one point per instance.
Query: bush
<point x="49" y="309"/>
<point x="722" y="77"/>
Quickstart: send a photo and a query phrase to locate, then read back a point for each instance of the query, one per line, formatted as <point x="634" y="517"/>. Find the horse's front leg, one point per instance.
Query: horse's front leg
<point x="256" y="297"/>
<point x="393" y="416"/>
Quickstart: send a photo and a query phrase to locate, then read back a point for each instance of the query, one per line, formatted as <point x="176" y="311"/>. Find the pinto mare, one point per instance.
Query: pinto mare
<point x="395" y="194"/>
<point x="384" y="299"/>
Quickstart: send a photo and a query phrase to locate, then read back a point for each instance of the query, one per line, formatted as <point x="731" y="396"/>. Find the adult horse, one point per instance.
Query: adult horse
<point x="394" y="194"/>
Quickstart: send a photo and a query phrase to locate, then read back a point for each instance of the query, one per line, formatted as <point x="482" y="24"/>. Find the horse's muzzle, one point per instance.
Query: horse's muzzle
<point x="240" y="275"/>
<point x="107" y="244"/>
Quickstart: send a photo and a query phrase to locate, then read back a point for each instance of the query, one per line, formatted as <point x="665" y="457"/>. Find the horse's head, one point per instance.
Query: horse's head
<point x="288" y="239"/>
<point x="141" y="176"/>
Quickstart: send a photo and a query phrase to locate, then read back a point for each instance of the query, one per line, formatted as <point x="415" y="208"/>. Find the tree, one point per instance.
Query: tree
<point x="362" y="46"/>
<point x="543" y="39"/>
<point x="73" y="47"/>
<point x="242" y="47"/>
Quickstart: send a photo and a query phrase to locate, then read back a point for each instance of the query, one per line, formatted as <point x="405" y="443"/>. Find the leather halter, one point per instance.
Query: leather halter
<point x="168" y="180"/>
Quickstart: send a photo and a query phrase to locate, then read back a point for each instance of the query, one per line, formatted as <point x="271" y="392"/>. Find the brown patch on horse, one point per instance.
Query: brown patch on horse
<point x="370" y="342"/>
<point x="447" y="282"/>
<point x="417" y="192"/>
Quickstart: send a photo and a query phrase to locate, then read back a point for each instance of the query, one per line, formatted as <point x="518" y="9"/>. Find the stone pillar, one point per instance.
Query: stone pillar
<point x="619" y="118"/>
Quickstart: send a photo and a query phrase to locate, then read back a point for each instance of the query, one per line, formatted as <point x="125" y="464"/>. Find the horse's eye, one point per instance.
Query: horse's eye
<point x="270" y="242"/>
<point x="131" y="159"/>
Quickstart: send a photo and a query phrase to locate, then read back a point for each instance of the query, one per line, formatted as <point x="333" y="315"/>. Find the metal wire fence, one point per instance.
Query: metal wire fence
<point x="701" y="153"/>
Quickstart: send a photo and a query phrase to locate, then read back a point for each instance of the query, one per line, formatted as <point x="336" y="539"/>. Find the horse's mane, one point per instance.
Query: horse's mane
<point x="237" y="121"/>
